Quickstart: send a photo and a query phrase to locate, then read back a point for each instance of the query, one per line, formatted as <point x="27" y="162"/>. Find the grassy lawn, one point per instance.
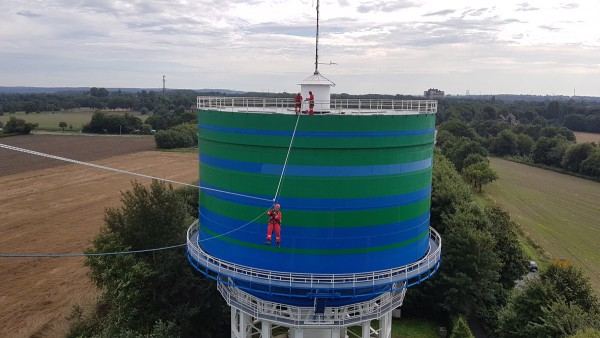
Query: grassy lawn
<point x="414" y="328"/>
<point x="405" y="328"/>
<point x="76" y="118"/>
<point x="560" y="213"/>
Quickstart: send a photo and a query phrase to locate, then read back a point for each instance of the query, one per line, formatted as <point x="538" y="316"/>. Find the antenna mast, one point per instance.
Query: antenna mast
<point x="317" y="44"/>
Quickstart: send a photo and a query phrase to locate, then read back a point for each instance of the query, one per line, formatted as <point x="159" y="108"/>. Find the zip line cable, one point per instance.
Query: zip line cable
<point x="37" y="153"/>
<point x="92" y="254"/>
<point x="286" y="159"/>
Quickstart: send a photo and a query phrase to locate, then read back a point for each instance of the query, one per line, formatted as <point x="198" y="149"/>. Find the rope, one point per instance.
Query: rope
<point x="286" y="159"/>
<point x="32" y="152"/>
<point x="37" y="153"/>
<point x="91" y="254"/>
<point x="227" y="233"/>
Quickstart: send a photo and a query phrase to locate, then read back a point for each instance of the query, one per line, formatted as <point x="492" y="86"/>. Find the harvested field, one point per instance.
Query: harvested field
<point x="76" y="147"/>
<point x="48" y="206"/>
<point x="587" y="137"/>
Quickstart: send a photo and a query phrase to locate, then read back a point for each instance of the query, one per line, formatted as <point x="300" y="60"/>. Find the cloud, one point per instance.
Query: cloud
<point x="475" y="12"/>
<point x="385" y="6"/>
<point x="28" y="14"/>
<point x="525" y="7"/>
<point x="571" y="5"/>
<point x="549" y="28"/>
<point x="441" y="13"/>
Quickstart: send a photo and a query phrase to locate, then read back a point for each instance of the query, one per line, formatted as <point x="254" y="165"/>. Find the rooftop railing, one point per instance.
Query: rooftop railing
<point x="334" y="106"/>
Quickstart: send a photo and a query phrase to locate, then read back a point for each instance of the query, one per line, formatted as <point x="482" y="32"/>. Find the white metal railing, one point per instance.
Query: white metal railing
<point x="297" y="316"/>
<point x="334" y="106"/>
<point x="428" y="264"/>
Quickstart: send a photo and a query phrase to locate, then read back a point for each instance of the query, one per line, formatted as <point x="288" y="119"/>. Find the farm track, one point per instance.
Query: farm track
<point x="559" y="212"/>
<point x="48" y="206"/>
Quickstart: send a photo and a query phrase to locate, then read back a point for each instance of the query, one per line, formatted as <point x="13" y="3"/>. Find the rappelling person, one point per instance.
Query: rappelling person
<point x="274" y="224"/>
<point x="298" y="100"/>
<point x="311" y="102"/>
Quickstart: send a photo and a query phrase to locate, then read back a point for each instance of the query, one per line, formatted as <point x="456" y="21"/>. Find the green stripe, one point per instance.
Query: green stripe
<point x="317" y="251"/>
<point x="306" y="187"/>
<point x="314" y="219"/>
<point x="322" y="123"/>
<point x="325" y="123"/>
<point x="325" y="157"/>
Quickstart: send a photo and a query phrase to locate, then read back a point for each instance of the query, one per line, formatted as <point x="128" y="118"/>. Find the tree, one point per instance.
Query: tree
<point x="549" y="151"/>
<point x="461" y="329"/>
<point x="140" y="291"/>
<point x="448" y="191"/>
<point x="571" y="283"/>
<point x="559" y="303"/>
<point x="458" y="128"/>
<point x="575" y="154"/>
<point x="18" y="126"/>
<point x="62" y="125"/>
<point x="458" y="150"/>
<point x="505" y="144"/>
<point x="474" y="158"/>
<point x="508" y="248"/>
<point x="480" y="173"/>
<point x="524" y="144"/>
<point x="591" y="165"/>
<point x="587" y="333"/>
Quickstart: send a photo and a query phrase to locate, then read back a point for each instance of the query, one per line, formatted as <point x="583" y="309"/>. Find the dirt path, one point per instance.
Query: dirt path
<point x="59" y="210"/>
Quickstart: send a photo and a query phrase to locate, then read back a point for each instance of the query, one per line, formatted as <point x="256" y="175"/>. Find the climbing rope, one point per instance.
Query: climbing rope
<point x="286" y="159"/>
<point x="37" y="153"/>
<point x="234" y="230"/>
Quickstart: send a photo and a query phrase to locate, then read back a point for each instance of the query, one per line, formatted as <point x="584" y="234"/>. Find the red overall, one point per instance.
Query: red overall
<point x="298" y="100"/>
<point x="274" y="223"/>
<point x="311" y="103"/>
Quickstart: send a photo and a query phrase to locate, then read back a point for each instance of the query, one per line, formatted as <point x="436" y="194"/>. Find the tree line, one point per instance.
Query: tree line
<point x="539" y="143"/>
<point x="159" y="294"/>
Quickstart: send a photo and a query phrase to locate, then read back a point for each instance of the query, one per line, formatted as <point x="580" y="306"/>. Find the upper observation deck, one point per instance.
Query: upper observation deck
<point x="291" y="284"/>
<point x="334" y="106"/>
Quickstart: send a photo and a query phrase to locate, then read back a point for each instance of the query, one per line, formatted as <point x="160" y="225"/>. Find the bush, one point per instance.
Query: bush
<point x="171" y="139"/>
<point x="18" y="126"/>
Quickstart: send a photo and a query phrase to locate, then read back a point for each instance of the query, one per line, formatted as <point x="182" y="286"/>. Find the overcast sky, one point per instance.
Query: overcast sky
<point x="385" y="47"/>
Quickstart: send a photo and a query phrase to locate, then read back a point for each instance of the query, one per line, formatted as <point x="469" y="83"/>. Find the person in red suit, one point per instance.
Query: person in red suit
<point x="311" y="102"/>
<point x="298" y="100"/>
<point x="274" y="224"/>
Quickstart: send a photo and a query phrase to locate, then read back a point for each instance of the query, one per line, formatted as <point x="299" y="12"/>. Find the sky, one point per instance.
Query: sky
<point x="483" y="47"/>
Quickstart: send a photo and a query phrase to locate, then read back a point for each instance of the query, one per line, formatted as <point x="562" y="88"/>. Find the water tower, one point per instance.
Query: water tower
<point x="354" y="185"/>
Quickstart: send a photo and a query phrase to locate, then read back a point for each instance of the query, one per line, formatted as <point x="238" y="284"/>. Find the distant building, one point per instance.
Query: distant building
<point x="433" y="94"/>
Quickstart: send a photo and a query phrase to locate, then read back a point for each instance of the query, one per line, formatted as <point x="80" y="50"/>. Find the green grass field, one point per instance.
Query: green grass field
<point x="560" y="213"/>
<point x="76" y="118"/>
<point x="406" y="328"/>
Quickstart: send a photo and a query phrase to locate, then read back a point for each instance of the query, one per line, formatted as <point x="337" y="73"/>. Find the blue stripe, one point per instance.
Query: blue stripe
<point x="316" y="171"/>
<point x="315" y="133"/>
<point x="381" y="234"/>
<point x="306" y="204"/>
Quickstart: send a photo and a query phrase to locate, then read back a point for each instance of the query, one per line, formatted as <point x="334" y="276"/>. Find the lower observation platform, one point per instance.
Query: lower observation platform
<point x="299" y="287"/>
<point x="336" y="106"/>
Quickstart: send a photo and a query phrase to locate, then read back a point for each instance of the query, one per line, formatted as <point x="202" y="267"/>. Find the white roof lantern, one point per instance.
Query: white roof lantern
<point x="321" y="88"/>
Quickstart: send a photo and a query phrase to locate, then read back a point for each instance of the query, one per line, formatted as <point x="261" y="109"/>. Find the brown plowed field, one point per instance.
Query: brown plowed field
<point x="50" y="206"/>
